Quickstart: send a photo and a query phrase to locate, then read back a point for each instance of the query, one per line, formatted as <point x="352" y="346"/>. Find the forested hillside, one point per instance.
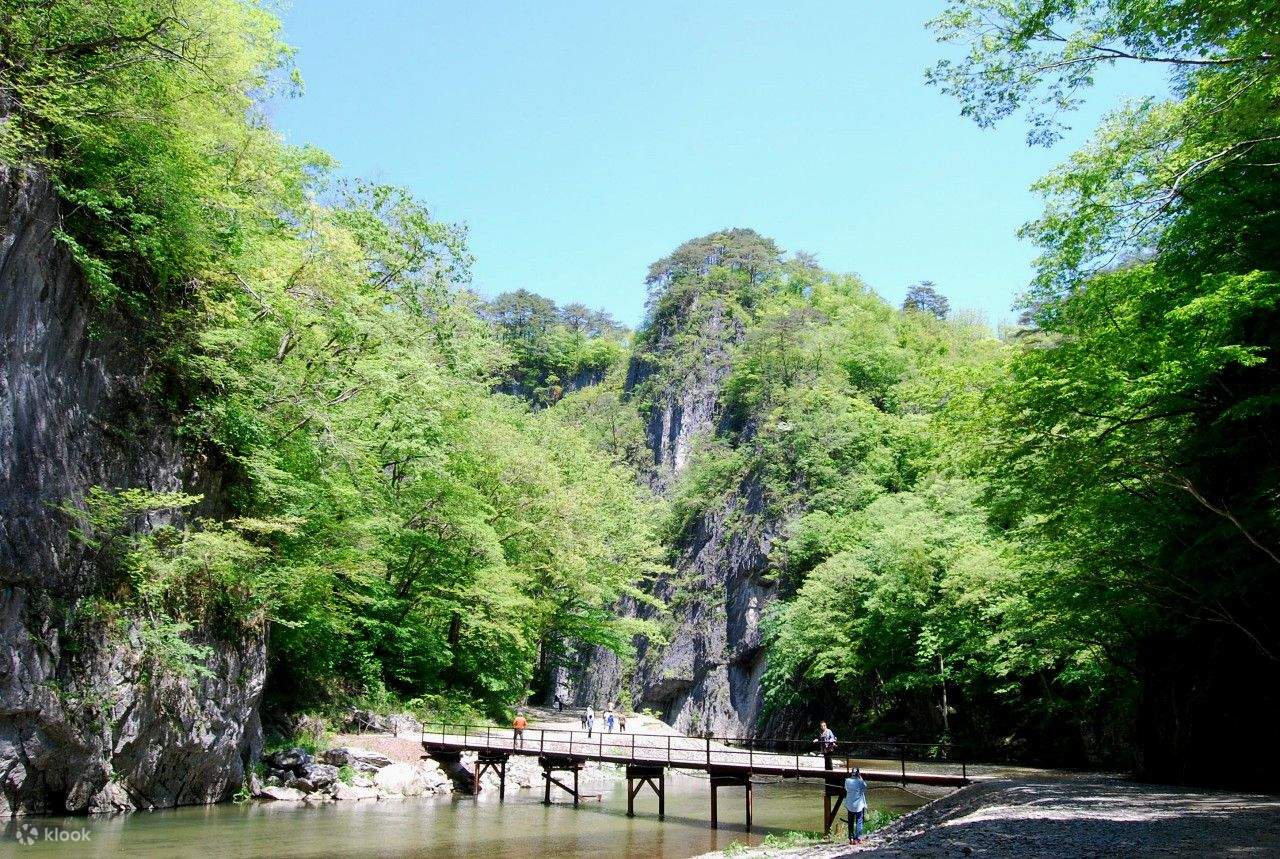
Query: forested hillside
<point x="407" y="536"/>
<point x="293" y="434"/>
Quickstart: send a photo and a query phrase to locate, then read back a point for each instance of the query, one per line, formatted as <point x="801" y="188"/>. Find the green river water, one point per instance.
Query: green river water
<point x="444" y="826"/>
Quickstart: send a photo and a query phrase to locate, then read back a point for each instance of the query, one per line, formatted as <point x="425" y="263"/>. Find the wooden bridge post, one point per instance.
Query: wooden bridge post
<point x="826" y="797"/>
<point x="638" y="775"/>
<point x="833" y="788"/>
<point x="729" y="779"/>
<point x="552" y="764"/>
<point x="491" y="760"/>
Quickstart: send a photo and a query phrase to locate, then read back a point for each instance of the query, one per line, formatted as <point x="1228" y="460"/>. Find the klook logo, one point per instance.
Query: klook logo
<point x="29" y="833"/>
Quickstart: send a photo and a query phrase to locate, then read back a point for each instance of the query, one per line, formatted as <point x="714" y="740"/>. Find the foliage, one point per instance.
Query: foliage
<point x="1130" y="440"/>
<point x="738" y="249"/>
<point x="144" y="112"/>
<point x="924" y="297"/>
<point x="406" y="533"/>
<point x="174" y="575"/>
<point x="553" y="350"/>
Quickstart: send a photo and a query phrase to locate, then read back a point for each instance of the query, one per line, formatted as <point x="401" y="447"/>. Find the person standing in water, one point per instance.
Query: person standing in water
<point x="855" y="803"/>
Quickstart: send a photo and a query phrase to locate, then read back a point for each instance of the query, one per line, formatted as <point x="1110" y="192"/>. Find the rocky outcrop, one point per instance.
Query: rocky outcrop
<point x="707" y="676"/>
<point x="85" y="725"/>
<point x="685" y="403"/>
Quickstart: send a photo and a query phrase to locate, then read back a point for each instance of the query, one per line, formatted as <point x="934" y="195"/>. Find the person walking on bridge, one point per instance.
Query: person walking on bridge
<point x="827" y="742"/>
<point x="518" y="727"/>
<point x="855" y="803"/>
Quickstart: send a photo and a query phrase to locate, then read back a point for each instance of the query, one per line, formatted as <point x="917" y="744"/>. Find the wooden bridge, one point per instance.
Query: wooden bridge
<point x="729" y="762"/>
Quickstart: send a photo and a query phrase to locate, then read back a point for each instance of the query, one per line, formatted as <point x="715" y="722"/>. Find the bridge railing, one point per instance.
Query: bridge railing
<point x="707" y="751"/>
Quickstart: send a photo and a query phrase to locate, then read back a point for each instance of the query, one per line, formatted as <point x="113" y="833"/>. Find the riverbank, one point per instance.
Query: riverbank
<point x="1069" y="817"/>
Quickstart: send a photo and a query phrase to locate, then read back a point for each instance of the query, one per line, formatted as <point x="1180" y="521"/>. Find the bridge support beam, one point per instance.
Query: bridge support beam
<point x="726" y="778"/>
<point x="497" y="762"/>
<point x="637" y="777"/>
<point x="833" y="789"/>
<point x="556" y="763"/>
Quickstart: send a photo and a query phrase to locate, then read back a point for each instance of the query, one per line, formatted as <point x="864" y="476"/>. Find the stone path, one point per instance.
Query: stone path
<point x="1074" y="817"/>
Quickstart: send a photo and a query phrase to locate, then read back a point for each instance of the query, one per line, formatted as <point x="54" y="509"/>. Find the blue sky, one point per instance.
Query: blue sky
<point x="580" y="141"/>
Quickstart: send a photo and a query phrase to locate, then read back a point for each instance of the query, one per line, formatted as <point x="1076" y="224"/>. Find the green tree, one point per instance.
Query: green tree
<point x="1131" y="439"/>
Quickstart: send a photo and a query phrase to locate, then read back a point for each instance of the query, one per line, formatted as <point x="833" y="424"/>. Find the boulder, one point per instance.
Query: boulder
<point x="112" y="799"/>
<point x="404" y="779"/>
<point x="320" y="775"/>
<point x="352" y="791"/>
<point x="361" y="760"/>
<point x="433" y="777"/>
<point x="402" y="725"/>
<point x="365" y="720"/>
<point x="290" y="760"/>
<point x="301" y="784"/>
<point x="281" y="793"/>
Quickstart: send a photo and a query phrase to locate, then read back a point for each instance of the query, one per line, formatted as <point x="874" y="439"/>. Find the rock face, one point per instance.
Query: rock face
<point x="84" y="725"/>
<point x="707" y="678"/>
<point x="688" y="405"/>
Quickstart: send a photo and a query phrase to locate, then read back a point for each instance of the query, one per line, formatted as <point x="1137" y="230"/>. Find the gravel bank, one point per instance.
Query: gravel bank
<point x="1081" y="817"/>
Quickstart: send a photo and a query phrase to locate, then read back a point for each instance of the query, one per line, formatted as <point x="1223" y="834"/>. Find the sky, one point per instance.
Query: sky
<point x="580" y="141"/>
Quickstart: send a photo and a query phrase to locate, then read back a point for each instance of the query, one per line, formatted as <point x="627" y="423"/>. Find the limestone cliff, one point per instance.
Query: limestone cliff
<point x="83" y="725"/>
<point x="707" y="676"/>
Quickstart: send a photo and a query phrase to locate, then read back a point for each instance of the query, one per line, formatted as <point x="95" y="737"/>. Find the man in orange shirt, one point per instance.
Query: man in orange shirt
<point x="520" y="724"/>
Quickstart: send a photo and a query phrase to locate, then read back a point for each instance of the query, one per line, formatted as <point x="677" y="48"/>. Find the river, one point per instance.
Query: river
<point x="445" y="826"/>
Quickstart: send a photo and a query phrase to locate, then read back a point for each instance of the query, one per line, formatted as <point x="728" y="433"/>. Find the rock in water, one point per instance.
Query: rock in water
<point x="351" y="791"/>
<point x="404" y="779"/>
<point x="281" y="793"/>
<point x="320" y="775"/>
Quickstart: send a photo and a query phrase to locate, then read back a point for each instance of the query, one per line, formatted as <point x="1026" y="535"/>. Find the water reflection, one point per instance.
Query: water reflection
<point x="457" y="827"/>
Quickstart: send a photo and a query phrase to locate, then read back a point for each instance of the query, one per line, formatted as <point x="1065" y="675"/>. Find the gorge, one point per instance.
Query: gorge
<point x="271" y="460"/>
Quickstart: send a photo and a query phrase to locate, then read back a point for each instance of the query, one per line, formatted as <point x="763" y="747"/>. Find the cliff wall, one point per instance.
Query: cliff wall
<point x="84" y="724"/>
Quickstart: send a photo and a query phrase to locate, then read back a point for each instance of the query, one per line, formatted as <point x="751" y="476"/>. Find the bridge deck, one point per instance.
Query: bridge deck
<point x="689" y="753"/>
